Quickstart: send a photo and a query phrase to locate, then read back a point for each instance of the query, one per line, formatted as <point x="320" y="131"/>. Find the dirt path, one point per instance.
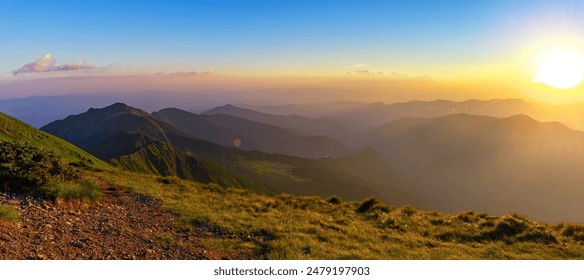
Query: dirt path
<point x="123" y="225"/>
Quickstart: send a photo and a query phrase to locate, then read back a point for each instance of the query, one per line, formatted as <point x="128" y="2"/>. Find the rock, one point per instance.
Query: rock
<point x="77" y="244"/>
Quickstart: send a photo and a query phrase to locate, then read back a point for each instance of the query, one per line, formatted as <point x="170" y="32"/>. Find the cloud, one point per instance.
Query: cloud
<point x="47" y="64"/>
<point x="73" y="66"/>
<point x="189" y="74"/>
<point x="367" y="72"/>
<point x="395" y="76"/>
<point x="359" y="65"/>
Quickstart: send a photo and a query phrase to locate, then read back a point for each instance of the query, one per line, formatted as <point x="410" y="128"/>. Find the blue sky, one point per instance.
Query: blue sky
<point x="288" y="37"/>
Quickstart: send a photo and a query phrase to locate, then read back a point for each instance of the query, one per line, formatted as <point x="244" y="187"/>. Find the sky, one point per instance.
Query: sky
<point x="440" y="40"/>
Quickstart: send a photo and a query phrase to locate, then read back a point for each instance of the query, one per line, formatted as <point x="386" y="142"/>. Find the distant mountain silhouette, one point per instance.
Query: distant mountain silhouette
<point x="312" y="110"/>
<point x="498" y="165"/>
<point x="250" y="135"/>
<point x="329" y="126"/>
<point x="380" y="113"/>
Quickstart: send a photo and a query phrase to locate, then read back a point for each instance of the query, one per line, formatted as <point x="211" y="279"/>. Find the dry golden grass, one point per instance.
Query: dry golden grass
<point x="315" y="228"/>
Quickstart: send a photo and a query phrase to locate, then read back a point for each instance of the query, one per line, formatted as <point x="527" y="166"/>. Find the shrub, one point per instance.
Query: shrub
<point x="367" y="204"/>
<point x="467" y="217"/>
<point x="507" y="226"/>
<point x="28" y="169"/>
<point x="511" y="225"/>
<point x="538" y="234"/>
<point x="408" y="210"/>
<point x="167" y="180"/>
<point x="334" y="200"/>
<point x="576" y="232"/>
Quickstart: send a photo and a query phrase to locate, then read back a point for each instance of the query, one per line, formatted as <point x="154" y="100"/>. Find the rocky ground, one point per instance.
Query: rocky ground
<point x="122" y="225"/>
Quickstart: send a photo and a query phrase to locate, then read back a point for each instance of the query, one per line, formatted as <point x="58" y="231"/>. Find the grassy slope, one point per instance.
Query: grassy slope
<point x="83" y="188"/>
<point x="13" y="129"/>
<point x="160" y="159"/>
<point x="312" y="228"/>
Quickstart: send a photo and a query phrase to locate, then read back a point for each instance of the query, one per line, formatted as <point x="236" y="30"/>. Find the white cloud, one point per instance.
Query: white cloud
<point x="47" y="64"/>
<point x="392" y="76"/>
<point x="359" y="65"/>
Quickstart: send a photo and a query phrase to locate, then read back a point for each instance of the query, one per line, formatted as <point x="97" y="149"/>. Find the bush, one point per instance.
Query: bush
<point x="511" y="225"/>
<point x="467" y="217"/>
<point x="506" y="227"/>
<point x="334" y="200"/>
<point x="408" y="210"/>
<point x="367" y="204"/>
<point x="576" y="232"/>
<point x="28" y="169"/>
<point x="538" y="234"/>
<point x="167" y="180"/>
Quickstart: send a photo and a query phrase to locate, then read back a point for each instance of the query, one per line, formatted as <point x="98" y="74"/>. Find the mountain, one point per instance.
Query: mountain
<point x="497" y="165"/>
<point x="329" y="126"/>
<point x="41" y="110"/>
<point x="95" y="129"/>
<point x="129" y="138"/>
<point x="250" y="135"/>
<point x="380" y="113"/>
<point x="159" y="158"/>
<point x="313" y="110"/>
<point x="118" y="132"/>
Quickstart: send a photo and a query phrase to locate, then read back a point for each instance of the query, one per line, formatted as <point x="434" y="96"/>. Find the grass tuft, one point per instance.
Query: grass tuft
<point x="334" y="200"/>
<point x="85" y="189"/>
<point x="9" y="213"/>
<point x="368" y="204"/>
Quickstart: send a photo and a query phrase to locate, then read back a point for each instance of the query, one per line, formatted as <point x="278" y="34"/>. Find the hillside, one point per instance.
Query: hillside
<point x="149" y="217"/>
<point x="497" y="165"/>
<point x="12" y="129"/>
<point x="125" y="130"/>
<point x="90" y="129"/>
<point x="251" y="135"/>
<point x="140" y="216"/>
<point x="159" y="158"/>
<point x="329" y="126"/>
<point x="290" y="227"/>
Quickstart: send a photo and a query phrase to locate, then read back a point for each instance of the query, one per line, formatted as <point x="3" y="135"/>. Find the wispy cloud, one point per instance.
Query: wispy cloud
<point x="359" y="65"/>
<point x="47" y="63"/>
<point x="392" y="76"/>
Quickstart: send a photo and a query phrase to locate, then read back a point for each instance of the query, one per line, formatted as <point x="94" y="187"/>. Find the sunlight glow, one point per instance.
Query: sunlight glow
<point x="560" y="67"/>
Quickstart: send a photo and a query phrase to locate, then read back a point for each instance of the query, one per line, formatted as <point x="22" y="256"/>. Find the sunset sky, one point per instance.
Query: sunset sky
<point x="452" y="41"/>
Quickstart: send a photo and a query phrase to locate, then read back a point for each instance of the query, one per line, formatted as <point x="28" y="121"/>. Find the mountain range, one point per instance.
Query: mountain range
<point x="125" y="136"/>
<point x="236" y="203"/>
<point x="435" y="159"/>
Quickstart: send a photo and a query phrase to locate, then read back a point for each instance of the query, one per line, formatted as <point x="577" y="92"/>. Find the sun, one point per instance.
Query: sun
<point x="560" y="67"/>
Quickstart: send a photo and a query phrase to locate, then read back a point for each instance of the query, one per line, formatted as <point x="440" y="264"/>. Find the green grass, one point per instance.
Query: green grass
<point x="85" y="189"/>
<point x="13" y="129"/>
<point x="292" y="227"/>
<point x="31" y="170"/>
<point x="273" y="168"/>
<point x="9" y="213"/>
